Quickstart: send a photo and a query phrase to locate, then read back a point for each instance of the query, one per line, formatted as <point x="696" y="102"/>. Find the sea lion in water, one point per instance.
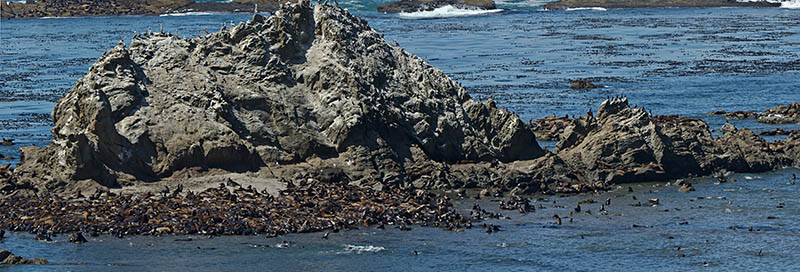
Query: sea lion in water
<point x="721" y="178"/>
<point x="77" y="238"/>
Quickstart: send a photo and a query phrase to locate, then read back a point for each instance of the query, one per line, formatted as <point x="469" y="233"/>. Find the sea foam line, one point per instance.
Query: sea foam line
<point x="790" y="4"/>
<point x="361" y="249"/>
<point x="191" y="13"/>
<point x="587" y="8"/>
<point x="447" y="11"/>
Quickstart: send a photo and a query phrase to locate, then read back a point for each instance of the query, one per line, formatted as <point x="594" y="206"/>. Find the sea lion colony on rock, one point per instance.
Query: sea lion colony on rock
<point x="310" y="89"/>
<point x="781" y="114"/>
<point x="312" y="206"/>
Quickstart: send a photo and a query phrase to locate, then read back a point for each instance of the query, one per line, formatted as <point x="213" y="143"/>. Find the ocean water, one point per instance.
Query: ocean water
<point x="670" y="61"/>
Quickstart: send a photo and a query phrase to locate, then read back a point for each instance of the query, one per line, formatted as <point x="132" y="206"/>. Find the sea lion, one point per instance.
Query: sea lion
<point x="77" y="238"/>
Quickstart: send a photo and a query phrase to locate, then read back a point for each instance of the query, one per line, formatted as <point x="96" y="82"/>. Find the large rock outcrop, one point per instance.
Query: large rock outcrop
<point x="309" y="83"/>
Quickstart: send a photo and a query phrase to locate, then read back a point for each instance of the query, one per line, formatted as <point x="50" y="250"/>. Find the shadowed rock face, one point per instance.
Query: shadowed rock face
<point x="308" y="82"/>
<point x="428" y="5"/>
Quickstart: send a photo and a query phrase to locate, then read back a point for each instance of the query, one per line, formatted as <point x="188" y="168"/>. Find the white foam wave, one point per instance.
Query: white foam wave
<point x="787" y="4"/>
<point x="361" y="249"/>
<point x="446" y="12"/>
<point x="191" y="13"/>
<point x="793" y="4"/>
<point x="588" y="8"/>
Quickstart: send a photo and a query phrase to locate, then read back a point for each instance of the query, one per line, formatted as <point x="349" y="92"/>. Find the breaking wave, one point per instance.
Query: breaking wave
<point x="191" y="13"/>
<point x="788" y="4"/>
<point x="588" y="8"/>
<point x="361" y="249"/>
<point x="446" y="12"/>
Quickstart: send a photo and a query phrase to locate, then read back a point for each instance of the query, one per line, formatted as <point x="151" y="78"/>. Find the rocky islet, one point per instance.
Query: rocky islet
<point x="310" y="90"/>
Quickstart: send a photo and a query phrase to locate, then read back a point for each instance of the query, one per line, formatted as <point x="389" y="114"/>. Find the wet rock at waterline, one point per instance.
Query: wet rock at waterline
<point x="7" y="258"/>
<point x="310" y="85"/>
<point x="783" y="114"/>
<point x="583" y="84"/>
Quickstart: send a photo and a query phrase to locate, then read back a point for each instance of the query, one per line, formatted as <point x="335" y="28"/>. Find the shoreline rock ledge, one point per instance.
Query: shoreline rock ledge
<point x="307" y="90"/>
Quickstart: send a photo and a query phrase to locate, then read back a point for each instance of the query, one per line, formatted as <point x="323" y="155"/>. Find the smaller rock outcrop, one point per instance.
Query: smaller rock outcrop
<point x="737" y="115"/>
<point x="583" y="84"/>
<point x="550" y="128"/>
<point x="792" y="148"/>
<point x="624" y="144"/>
<point x="783" y="114"/>
<point x="428" y="5"/>
<point x="6" y="257"/>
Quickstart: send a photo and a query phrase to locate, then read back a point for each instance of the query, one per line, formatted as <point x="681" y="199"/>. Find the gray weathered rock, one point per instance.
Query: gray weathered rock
<point x="308" y="82"/>
<point x="624" y="144"/>
<point x="6" y="257"/>
<point x="792" y="148"/>
<point x="621" y="144"/>
<point x="782" y="114"/>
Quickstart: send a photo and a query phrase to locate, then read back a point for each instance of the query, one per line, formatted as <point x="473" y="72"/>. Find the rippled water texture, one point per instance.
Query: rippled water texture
<point x="671" y="61"/>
